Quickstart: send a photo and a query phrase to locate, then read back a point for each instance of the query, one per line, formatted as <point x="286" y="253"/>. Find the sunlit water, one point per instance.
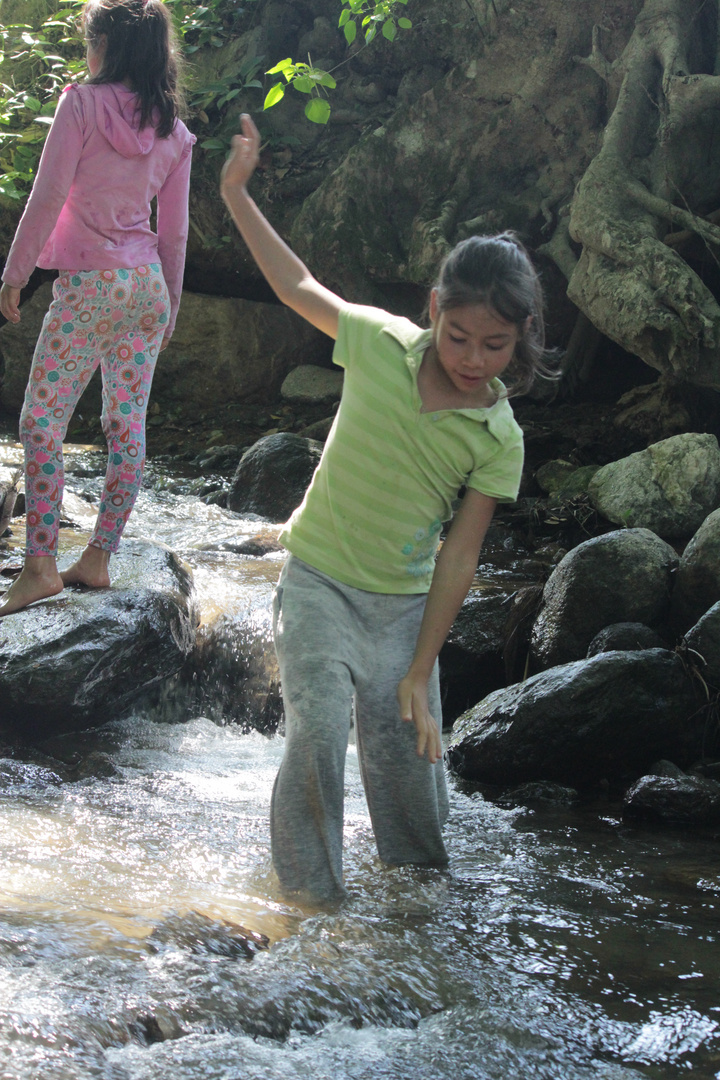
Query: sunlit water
<point x="560" y="943"/>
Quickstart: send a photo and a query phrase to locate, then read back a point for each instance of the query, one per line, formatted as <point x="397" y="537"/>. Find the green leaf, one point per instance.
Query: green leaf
<point x="405" y="23"/>
<point x="32" y="103"/>
<point x="214" y="144"/>
<point x="326" y="79"/>
<point x="344" y="16"/>
<point x="318" y="110"/>
<point x="350" y="32"/>
<point x="389" y="30"/>
<point x="282" y="66"/>
<point x="304" y="84"/>
<point x="277" y="93"/>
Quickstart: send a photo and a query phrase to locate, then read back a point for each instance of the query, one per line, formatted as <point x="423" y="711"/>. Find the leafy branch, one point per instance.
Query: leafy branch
<point x="370" y="16"/>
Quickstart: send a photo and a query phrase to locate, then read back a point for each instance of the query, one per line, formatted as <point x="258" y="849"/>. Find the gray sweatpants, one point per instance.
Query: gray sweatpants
<point x="334" y="643"/>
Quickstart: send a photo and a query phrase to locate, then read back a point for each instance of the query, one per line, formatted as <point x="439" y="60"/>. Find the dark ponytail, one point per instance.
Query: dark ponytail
<point x="142" y="52"/>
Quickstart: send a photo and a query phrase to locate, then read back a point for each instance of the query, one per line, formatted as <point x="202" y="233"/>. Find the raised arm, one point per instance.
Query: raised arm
<point x="285" y="272"/>
<point x="454" y="572"/>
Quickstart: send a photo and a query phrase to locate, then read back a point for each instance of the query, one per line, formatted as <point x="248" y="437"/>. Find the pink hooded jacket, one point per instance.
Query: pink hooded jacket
<point x="89" y="208"/>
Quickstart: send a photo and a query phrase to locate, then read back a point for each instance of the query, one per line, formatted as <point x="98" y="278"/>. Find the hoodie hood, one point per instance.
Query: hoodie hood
<point x="117" y="115"/>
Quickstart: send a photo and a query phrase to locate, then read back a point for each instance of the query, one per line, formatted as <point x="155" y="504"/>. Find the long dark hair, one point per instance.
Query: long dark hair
<point x="142" y="52"/>
<point x="497" y="271"/>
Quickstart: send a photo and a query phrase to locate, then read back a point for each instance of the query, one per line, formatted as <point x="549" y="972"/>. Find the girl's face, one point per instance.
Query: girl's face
<point x="473" y="345"/>
<point x="96" y="54"/>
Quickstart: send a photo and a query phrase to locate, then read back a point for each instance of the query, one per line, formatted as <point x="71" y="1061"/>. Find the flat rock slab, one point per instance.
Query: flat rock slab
<point x="80" y="659"/>
<point x="576" y="724"/>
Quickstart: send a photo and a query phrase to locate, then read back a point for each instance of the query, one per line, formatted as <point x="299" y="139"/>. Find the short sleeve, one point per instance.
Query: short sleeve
<point x="358" y="330"/>
<point x="499" y="478"/>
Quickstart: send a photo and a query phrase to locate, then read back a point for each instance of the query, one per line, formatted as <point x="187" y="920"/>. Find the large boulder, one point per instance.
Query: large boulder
<point x="81" y="658"/>
<point x="273" y="476"/>
<point x="670" y="488"/>
<point x="223" y="350"/>
<point x="622" y="576"/>
<point x="704" y="638"/>
<point x="698" y="578"/>
<point x="605" y="717"/>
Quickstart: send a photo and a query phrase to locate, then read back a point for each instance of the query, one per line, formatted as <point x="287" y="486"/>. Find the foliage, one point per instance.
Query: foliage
<point x="35" y="63"/>
<point x="42" y="62"/>
<point x="371" y="15"/>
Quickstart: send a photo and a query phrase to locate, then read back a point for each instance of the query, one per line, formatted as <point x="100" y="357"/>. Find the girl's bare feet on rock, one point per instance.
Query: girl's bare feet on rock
<point x="91" y="569"/>
<point x="37" y="580"/>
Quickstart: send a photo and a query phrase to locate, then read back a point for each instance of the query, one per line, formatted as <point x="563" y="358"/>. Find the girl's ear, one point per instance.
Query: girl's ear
<point x="433" y="305"/>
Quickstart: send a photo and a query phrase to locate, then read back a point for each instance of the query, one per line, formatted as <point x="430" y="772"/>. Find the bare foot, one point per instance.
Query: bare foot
<point x="31" y="584"/>
<point x="91" y="569"/>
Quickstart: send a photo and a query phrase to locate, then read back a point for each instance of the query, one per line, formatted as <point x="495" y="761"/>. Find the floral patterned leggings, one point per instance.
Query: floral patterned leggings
<point x="115" y="318"/>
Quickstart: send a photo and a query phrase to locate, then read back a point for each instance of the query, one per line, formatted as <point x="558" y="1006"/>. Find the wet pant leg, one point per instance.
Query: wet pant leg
<point x="333" y="641"/>
<point x="306" y="817"/>
<point x="406" y="794"/>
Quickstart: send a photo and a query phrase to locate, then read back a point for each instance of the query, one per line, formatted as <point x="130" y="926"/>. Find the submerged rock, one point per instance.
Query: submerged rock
<point x="669" y="488"/>
<point x="81" y="658"/>
<point x="698" y="578"/>
<point x="579" y="723"/>
<point x="273" y="476"/>
<point x="685" y="800"/>
<point x="623" y="576"/>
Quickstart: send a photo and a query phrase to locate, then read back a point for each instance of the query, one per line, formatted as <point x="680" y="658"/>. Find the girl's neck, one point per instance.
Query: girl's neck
<point x="437" y="391"/>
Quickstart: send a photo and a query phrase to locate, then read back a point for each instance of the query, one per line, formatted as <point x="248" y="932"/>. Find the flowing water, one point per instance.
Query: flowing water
<point x="560" y="944"/>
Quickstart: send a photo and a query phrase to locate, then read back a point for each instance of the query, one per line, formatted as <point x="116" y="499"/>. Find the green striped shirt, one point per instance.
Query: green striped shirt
<point x="372" y="515"/>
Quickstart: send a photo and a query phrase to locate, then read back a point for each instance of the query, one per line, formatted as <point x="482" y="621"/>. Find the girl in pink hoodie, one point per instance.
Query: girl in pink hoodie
<point x="116" y="142"/>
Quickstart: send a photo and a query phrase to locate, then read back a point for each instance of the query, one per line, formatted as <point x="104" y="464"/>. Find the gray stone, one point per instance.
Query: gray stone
<point x="310" y="384"/>
<point x="81" y="658"/>
<point x="579" y="723"/>
<point x="273" y="476"/>
<point x="704" y="638"/>
<point x="685" y="800"/>
<point x="552" y="474"/>
<point x="697" y="586"/>
<point x="622" y="576"/>
<point x="629" y="636"/>
<point x="670" y="488"/>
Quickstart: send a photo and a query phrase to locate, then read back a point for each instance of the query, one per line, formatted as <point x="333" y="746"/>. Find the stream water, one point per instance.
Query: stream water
<point x="560" y="945"/>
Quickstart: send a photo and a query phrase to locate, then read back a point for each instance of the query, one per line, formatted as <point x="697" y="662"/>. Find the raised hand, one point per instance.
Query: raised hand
<point x="243" y="158"/>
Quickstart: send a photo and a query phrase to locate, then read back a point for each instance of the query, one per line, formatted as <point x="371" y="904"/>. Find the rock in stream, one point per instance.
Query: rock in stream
<point x="81" y="658"/>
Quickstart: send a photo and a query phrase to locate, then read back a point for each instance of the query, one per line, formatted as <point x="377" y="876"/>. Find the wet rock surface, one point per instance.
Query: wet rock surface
<point x="578" y="723"/>
<point x="629" y="636"/>
<point x="681" y="800"/>
<point x="273" y="476"/>
<point x="81" y="658"/>
<point x="623" y="576"/>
